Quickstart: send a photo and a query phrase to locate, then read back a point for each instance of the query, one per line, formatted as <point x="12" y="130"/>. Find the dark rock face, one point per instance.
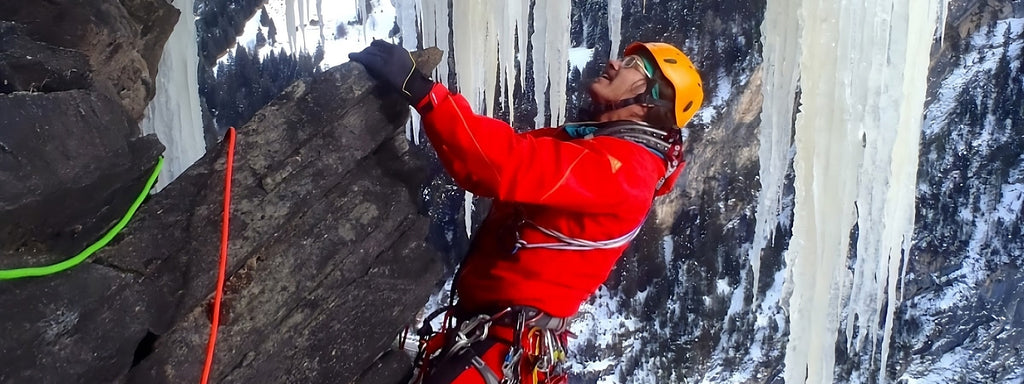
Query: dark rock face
<point x="122" y="40"/>
<point x="27" y="65"/>
<point x="70" y="164"/>
<point x="76" y="76"/>
<point x="326" y="260"/>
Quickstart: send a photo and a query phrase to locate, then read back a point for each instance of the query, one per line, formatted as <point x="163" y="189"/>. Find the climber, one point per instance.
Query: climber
<point x="566" y="203"/>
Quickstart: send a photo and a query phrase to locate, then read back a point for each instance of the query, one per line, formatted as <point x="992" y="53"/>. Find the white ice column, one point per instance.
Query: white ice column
<point x="540" y="68"/>
<point x="780" y="37"/>
<point x="435" y="32"/>
<point x="406" y="14"/>
<point x="558" y="15"/>
<point x="476" y="55"/>
<point x="510" y="22"/>
<point x="855" y="161"/>
<point x="550" y="58"/>
<point x="290" y="24"/>
<point x="615" y="27"/>
<point x="889" y="171"/>
<point x="174" y="112"/>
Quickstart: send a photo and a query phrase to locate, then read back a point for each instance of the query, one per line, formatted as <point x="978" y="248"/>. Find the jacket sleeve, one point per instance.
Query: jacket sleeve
<point x="487" y="157"/>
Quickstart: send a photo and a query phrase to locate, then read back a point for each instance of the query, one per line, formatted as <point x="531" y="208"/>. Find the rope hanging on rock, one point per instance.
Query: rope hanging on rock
<point x="18" y="273"/>
<point x="219" y="292"/>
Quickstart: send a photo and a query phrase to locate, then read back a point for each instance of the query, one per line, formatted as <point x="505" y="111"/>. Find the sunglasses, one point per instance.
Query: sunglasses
<point x="638" y="62"/>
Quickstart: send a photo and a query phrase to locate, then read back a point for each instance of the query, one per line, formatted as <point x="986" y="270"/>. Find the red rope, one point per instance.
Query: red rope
<point x="219" y="293"/>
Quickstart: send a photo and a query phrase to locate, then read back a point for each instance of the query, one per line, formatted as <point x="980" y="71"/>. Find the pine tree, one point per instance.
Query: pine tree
<point x="318" y="56"/>
<point x="261" y="41"/>
<point x="265" y="18"/>
<point x="272" y="33"/>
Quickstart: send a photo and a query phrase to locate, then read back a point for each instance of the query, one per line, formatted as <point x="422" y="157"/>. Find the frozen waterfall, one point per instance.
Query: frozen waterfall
<point x="173" y="114"/>
<point x="855" y="153"/>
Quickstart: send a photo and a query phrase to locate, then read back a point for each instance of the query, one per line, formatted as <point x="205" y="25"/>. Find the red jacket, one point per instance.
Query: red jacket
<point x="593" y="189"/>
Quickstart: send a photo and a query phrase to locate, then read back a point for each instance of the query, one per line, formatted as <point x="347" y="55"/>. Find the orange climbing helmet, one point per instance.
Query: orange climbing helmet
<point x="678" y="70"/>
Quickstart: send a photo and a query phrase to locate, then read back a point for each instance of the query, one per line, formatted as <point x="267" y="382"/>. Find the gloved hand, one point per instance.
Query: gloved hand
<point x="394" y="66"/>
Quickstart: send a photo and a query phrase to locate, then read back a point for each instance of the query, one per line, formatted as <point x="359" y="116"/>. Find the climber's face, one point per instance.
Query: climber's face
<point x="621" y="79"/>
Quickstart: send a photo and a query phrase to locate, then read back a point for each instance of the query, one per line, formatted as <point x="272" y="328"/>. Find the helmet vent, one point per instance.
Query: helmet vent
<point x="670" y="60"/>
<point x="688" y="106"/>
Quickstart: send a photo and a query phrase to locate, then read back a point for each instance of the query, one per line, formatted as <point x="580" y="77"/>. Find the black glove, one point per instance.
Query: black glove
<point x="394" y="66"/>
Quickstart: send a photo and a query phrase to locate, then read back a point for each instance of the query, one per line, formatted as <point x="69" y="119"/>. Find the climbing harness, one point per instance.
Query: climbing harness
<point x="219" y="292"/>
<point x="537" y="343"/>
<point x="18" y="273"/>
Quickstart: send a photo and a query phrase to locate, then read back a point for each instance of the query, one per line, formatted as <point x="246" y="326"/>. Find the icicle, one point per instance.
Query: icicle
<point x="406" y="12"/>
<point x="469" y="23"/>
<point x="615" y="27"/>
<point x="523" y="30"/>
<point x="364" y="17"/>
<point x="434" y="29"/>
<point x="467" y="206"/>
<point x="490" y="55"/>
<point x="173" y="114"/>
<point x="442" y="37"/>
<point x="289" y="21"/>
<point x="540" y="68"/>
<point x="507" y="51"/>
<point x="780" y="74"/>
<point x="909" y="59"/>
<point x="427" y="28"/>
<point x="303" y="19"/>
<point x="320" y="19"/>
<point x="824" y="163"/>
<point x="851" y="166"/>
<point x="557" y="51"/>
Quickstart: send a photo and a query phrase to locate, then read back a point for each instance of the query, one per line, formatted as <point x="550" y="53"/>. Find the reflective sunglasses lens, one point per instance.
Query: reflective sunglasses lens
<point x="633" y="60"/>
<point x="629" y="61"/>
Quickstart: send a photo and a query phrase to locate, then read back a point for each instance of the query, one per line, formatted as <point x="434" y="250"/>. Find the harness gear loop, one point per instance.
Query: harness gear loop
<point x="542" y="350"/>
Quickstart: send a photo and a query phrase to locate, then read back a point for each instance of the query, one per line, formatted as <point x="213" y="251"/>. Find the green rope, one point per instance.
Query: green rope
<point x="9" y="274"/>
